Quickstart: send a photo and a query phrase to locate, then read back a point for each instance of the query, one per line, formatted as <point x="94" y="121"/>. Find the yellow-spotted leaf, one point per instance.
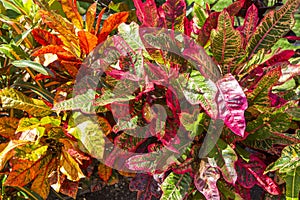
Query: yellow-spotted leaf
<point x="70" y="167"/>
<point x="90" y="17"/>
<point x="8" y="152"/>
<point x="225" y="40"/>
<point x="71" y="11"/>
<point x="11" y="98"/>
<point x="272" y="27"/>
<point x="104" y="172"/>
<point x="8" y="126"/>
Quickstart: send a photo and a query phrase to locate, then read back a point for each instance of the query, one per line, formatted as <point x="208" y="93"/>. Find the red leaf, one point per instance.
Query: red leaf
<point x="71" y="67"/>
<point x="45" y="38"/>
<point x="147" y="13"/>
<point x="174" y="11"/>
<point x="48" y="49"/>
<point x="279" y="57"/>
<point x="209" y="24"/>
<point x="99" y="20"/>
<point x="111" y="23"/>
<point x="69" y="188"/>
<point x="252" y="173"/>
<point x="250" y="23"/>
<point x="232" y="105"/>
<point x="88" y="41"/>
<point x="235" y="7"/>
<point x="146" y="187"/>
<point x="290" y="37"/>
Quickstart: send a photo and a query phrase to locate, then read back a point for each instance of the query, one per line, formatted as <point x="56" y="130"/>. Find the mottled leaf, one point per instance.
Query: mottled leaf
<point x="147" y="13"/>
<point x="272" y="27"/>
<point x="176" y="186"/>
<point x="8" y="126"/>
<point x="225" y="40"/>
<point x="292" y="180"/>
<point x="70" y="9"/>
<point x="104" y="172"/>
<point x="175" y="11"/>
<point x="11" y="98"/>
<point x="146" y="187"/>
<point x="90" y="17"/>
<point x="45" y="37"/>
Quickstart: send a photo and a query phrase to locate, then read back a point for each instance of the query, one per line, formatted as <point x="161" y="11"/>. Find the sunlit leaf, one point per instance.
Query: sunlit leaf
<point x="71" y="11"/>
<point x="223" y="157"/>
<point x="272" y="27"/>
<point x="176" y="186"/>
<point x="90" y="17"/>
<point x="293" y="184"/>
<point x="70" y="167"/>
<point x="12" y="98"/>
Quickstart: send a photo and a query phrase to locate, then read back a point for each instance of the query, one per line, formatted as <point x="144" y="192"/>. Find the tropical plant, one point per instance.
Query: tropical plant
<point x="77" y="93"/>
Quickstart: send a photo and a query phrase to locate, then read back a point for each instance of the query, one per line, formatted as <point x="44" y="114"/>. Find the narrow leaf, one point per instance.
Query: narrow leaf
<point x="292" y="180"/>
<point x="33" y="65"/>
<point x="90" y="17"/>
<point x="71" y="11"/>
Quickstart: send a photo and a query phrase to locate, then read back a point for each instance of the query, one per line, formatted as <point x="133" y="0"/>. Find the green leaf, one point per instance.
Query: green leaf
<point x="13" y="52"/>
<point x="288" y="161"/>
<point x="175" y="186"/>
<point x="225" y="40"/>
<point x="293" y="184"/>
<point x="224" y="157"/>
<point x="12" y="98"/>
<point x="260" y="95"/>
<point x="200" y="15"/>
<point x="33" y="65"/>
<point x="89" y="133"/>
<point x="193" y="123"/>
<point x="199" y="90"/>
<point x="272" y="27"/>
<point x="84" y="102"/>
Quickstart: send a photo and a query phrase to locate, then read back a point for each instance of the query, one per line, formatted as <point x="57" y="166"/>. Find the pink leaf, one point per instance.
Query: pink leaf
<point x="282" y="56"/>
<point x="232" y="104"/>
<point x="147" y="13"/>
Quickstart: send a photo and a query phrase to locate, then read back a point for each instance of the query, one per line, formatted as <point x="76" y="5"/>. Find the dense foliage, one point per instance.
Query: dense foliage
<point x="79" y="81"/>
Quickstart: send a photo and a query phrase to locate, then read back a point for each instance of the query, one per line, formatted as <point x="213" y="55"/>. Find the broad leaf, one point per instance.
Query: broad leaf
<point x="45" y="38"/>
<point x="198" y="90"/>
<point x="224" y="157"/>
<point x="272" y="27"/>
<point x="11" y="98"/>
<point x="174" y="14"/>
<point x="104" y="172"/>
<point x="226" y="42"/>
<point x="288" y="161"/>
<point x="252" y="173"/>
<point x="147" y="13"/>
<point x="292" y="180"/>
<point x="33" y="65"/>
<point x="260" y="94"/>
<point x="8" y="126"/>
<point x="206" y="179"/>
<point x="70" y="167"/>
<point x="232" y="103"/>
<point x="71" y="11"/>
<point x="176" y="186"/>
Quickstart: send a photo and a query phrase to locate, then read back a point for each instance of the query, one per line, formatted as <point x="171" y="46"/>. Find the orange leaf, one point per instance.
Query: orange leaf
<point x="24" y="171"/>
<point x="70" y="9"/>
<point x="8" y="126"/>
<point x="104" y="124"/>
<point x="61" y="53"/>
<point x="104" y="172"/>
<point x="111" y="23"/>
<point x="127" y="174"/>
<point x="71" y="67"/>
<point x="99" y="20"/>
<point x="88" y="41"/>
<point x="45" y="38"/>
<point x="90" y="17"/>
<point x="41" y="184"/>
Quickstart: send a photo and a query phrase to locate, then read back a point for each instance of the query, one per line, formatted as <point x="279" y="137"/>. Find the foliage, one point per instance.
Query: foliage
<point x="57" y="124"/>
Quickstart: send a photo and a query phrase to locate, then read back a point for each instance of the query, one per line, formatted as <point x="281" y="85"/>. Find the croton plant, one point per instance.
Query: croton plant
<point x="187" y="102"/>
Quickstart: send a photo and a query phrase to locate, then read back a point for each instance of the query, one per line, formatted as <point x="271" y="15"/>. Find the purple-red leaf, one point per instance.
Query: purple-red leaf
<point x="282" y="56"/>
<point x="146" y="187"/>
<point x="147" y="13"/>
<point x="174" y="13"/>
<point x="232" y="104"/>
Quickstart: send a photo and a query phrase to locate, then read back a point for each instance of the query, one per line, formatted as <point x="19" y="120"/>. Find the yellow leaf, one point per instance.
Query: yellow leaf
<point x="104" y="172"/>
<point x="70" y="167"/>
<point x="71" y="11"/>
<point x="90" y="17"/>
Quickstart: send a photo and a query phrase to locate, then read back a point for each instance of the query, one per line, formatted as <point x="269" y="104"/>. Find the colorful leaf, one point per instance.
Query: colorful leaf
<point x="8" y="126"/>
<point x="224" y="157"/>
<point x="71" y="11"/>
<point x="232" y="105"/>
<point x="147" y="13"/>
<point x="176" y="186"/>
<point x="45" y="38"/>
<point x="88" y="41"/>
<point x="288" y="161"/>
<point x="174" y="11"/>
<point x="90" y="17"/>
<point x="293" y="184"/>
<point x="70" y="167"/>
<point x="12" y="98"/>
<point x="225" y="40"/>
<point x="206" y="179"/>
<point x="272" y="27"/>
<point x="260" y="94"/>
<point x="111" y="23"/>
<point x="104" y="172"/>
